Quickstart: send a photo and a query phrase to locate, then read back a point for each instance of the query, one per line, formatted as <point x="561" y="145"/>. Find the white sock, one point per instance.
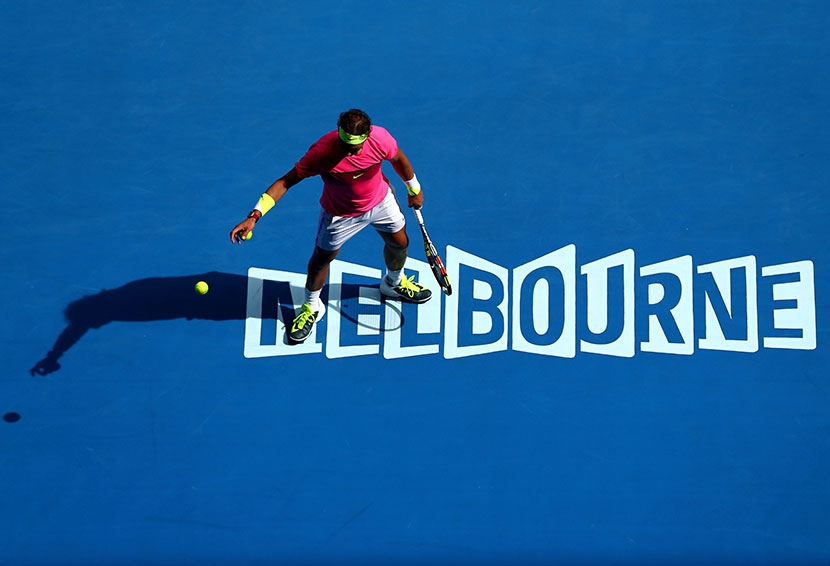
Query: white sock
<point x="394" y="277"/>
<point x="313" y="299"/>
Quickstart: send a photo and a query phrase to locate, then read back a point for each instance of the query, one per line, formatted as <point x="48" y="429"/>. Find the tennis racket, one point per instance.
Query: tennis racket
<point x="434" y="260"/>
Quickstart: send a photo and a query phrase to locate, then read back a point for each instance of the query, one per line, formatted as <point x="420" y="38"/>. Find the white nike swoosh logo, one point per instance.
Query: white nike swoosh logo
<point x="356" y="176"/>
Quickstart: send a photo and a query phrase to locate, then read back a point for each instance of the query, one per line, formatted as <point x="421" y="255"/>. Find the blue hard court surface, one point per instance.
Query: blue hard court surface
<point x="135" y="135"/>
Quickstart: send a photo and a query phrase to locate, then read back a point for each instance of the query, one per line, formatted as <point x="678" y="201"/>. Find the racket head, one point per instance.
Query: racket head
<point x="441" y="276"/>
<point x="434" y="260"/>
<point x="437" y="267"/>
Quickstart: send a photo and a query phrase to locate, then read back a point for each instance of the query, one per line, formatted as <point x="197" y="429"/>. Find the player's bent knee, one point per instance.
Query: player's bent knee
<point x="396" y="241"/>
<point x="321" y="258"/>
<point x="397" y="247"/>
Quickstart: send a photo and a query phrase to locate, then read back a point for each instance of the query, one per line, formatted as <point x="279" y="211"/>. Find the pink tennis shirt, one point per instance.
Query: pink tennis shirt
<point x="354" y="184"/>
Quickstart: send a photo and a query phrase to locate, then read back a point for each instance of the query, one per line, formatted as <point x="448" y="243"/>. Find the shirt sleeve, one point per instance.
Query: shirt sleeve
<point x="387" y="144"/>
<point x="317" y="160"/>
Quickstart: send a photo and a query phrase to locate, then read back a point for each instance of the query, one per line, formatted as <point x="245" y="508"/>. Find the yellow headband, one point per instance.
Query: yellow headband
<point x="352" y="139"/>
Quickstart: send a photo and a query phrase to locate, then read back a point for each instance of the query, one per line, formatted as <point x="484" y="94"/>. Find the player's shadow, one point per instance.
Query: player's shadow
<point x="169" y="298"/>
<point x="143" y="300"/>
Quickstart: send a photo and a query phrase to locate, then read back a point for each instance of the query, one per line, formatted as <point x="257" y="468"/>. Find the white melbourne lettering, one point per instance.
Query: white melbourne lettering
<point x="543" y="307"/>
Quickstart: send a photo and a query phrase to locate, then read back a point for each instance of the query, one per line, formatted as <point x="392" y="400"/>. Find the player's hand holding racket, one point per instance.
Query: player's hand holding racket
<point x="416" y="201"/>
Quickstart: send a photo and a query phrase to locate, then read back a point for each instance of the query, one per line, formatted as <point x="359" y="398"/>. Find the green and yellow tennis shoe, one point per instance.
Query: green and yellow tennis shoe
<point x="304" y="322"/>
<point x="407" y="290"/>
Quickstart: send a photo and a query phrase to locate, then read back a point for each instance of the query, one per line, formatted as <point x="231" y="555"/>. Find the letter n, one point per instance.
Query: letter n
<point x="731" y="302"/>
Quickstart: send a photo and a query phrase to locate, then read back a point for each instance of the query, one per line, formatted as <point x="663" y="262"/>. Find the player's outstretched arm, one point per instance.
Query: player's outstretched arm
<point x="269" y="198"/>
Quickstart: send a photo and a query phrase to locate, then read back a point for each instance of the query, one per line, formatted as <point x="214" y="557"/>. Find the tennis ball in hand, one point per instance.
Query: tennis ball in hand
<point x="249" y="235"/>
<point x="202" y="287"/>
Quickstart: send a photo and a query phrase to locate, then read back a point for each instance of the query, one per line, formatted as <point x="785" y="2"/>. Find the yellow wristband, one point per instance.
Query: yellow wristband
<point x="266" y="203"/>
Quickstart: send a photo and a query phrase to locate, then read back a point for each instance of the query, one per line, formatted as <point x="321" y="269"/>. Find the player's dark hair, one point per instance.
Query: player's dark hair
<point x="355" y="122"/>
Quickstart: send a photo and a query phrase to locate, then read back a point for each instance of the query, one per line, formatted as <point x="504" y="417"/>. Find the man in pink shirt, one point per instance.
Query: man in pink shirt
<point x="356" y="194"/>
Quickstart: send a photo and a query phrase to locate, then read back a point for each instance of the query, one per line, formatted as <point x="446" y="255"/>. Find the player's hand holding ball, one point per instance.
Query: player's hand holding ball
<point x="243" y="231"/>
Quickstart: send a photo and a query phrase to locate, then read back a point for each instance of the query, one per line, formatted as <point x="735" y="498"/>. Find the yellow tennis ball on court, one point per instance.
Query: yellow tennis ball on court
<point x="202" y="287"/>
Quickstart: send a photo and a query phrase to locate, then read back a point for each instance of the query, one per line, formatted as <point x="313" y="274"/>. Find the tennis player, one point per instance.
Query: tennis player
<point x="356" y="194"/>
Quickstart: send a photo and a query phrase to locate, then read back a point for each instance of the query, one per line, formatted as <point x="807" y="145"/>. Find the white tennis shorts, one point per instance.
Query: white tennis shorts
<point x="334" y="231"/>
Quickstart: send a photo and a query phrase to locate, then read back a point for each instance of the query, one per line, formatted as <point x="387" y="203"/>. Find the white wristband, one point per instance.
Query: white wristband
<point x="413" y="187"/>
